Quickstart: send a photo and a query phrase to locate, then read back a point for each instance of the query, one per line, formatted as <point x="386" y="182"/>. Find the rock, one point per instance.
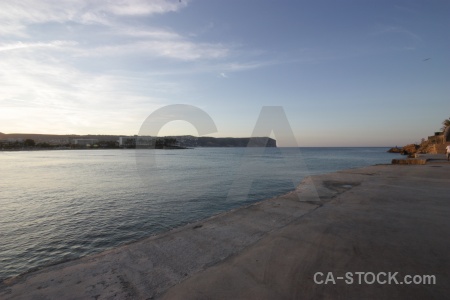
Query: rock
<point x="395" y="150"/>
<point x="409" y="149"/>
<point x="409" y="161"/>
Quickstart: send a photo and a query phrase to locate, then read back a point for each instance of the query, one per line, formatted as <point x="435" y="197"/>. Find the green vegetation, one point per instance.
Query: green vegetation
<point x="445" y="123"/>
<point x="30" y="144"/>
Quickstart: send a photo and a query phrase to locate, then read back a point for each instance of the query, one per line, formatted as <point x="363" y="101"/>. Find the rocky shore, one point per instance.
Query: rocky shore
<point x="384" y="218"/>
<point x="410" y="149"/>
<point x="434" y="144"/>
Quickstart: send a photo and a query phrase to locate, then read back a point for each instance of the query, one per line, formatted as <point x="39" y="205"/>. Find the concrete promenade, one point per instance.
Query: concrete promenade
<point x="387" y="218"/>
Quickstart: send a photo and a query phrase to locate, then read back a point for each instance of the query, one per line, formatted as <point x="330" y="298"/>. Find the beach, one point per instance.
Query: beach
<point x="385" y="218"/>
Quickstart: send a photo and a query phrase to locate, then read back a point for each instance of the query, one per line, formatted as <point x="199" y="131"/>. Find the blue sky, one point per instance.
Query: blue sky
<point x="347" y="73"/>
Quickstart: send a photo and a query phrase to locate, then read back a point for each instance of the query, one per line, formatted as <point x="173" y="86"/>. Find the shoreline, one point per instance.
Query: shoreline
<point x="84" y="149"/>
<point x="158" y="264"/>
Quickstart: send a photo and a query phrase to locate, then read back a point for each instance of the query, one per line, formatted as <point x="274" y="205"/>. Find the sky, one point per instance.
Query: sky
<point x="346" y="73"/>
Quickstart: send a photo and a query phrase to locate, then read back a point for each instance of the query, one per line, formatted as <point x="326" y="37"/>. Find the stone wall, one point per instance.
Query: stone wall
<point x="436" y="139"/>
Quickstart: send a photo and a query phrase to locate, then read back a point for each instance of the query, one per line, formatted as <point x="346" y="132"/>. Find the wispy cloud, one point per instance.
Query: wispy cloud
<point x="58" y="93"/>
<point x="54" y="84"/>
<point x="142" y="7"/>
<point x="397" y="30"/>
<point x="16" y="16"/>
<point x="154" y="33"/>
<point x="156" y="42"/>
<point x="21" y="45"/>
<point x="16" y="19"/>
<point x="75" y="71"/>
<point x="174" y="49"/>
<point x="237" y="66"/>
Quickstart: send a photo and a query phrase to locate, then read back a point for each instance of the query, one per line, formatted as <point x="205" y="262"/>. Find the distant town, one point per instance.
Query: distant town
<point x="20" y="141"/>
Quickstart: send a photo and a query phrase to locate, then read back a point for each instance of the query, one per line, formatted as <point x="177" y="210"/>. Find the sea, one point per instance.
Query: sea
<point x="60" y="205"/>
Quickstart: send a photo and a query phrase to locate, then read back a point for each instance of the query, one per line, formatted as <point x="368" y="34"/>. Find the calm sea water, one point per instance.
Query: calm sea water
<point x="59" y="205"/>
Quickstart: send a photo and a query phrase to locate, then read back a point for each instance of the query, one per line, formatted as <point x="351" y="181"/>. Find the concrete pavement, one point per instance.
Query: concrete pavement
<point x="377" y="219"/>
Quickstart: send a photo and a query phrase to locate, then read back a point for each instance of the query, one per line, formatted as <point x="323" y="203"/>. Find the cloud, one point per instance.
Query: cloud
<point x="76" y="65"/>
<point x="52" y="83"/>
<point x="16" y="16"/>
<point x="21" y="45"/>
<point x="160" y="43"/>
<point x="398" y="30"/>
<point x="143" y="7"/>
<point x="174" y="49"/>
<point x="154" y="33"/>
<point x="118" y="39"/>
<point x="234" y="66"/>
<point x="57" y="97"/>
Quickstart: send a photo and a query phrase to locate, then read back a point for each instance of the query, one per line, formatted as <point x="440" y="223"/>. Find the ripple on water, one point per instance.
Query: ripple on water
<point x="59" y="205"/>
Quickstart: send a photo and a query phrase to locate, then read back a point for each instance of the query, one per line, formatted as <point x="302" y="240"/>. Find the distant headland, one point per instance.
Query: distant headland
<point x="32" y="141"/>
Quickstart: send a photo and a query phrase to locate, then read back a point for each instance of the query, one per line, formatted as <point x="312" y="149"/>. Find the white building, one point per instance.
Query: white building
<point x="84" y="142"/>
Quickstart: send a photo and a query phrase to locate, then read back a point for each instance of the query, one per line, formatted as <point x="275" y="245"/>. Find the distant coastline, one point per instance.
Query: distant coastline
<point x="32" y="142"/>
